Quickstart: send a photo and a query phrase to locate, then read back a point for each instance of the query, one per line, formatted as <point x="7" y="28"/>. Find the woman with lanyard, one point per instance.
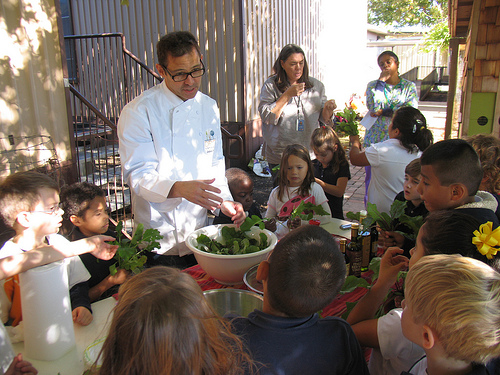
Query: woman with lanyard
<point x="383" y="97"/>
<point x="292" y="105"/>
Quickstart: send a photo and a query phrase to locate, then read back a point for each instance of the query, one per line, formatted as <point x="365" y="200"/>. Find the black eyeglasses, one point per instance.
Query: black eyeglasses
<point x="183" y="76"/>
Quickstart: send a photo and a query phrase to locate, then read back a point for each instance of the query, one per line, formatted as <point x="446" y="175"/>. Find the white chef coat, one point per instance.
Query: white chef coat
<point x="164" y="139"/>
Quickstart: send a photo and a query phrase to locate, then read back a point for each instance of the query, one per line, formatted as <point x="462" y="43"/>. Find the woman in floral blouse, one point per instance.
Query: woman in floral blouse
<point x="384" y="96"/>
<point x="387" y="94"/>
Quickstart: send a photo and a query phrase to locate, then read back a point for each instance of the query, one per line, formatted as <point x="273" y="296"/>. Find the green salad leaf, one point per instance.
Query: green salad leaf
<point x="130" y="255"/>
<point x="306" y="211"/>
<point x="234" y="241"/>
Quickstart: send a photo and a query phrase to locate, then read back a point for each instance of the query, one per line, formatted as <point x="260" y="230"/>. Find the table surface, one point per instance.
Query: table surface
<point x="73" y="364"/>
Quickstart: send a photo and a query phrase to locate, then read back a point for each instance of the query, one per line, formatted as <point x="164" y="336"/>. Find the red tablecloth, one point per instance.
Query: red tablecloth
<point x="336" y="308"/>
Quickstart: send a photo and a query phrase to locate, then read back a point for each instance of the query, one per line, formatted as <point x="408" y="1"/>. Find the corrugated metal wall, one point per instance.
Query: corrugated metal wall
<point x="271" y="25"/>
<point x="216" y="24"/>
<point x="240" y="41"/>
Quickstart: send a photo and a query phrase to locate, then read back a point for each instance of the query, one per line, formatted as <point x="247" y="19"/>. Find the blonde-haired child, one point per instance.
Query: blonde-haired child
<point x="162" y="324"/>
<point x="444" y="232"/>
<point x="452" y="310"/>
<point x="331" y="168"/>
<point x="297" y="184"/>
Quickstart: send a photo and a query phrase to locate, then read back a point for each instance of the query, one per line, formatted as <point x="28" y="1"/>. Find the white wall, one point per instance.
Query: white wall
<point x="342" y="49"/>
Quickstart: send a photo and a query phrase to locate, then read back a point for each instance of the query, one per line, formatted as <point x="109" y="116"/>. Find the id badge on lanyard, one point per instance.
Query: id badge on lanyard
<point x="300" y="118"/>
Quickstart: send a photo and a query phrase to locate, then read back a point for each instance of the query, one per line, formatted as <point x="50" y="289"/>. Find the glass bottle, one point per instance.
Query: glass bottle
<point x="343" y="245"/>
<point x="354" y="251"/>
<point x="374" y="241"/>
<point x="366" y="250"/>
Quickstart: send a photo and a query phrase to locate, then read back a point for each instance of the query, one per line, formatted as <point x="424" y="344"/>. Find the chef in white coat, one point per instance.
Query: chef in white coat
<point x="171" y="150"/>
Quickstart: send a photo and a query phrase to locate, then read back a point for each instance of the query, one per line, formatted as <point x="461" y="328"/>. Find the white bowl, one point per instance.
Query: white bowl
<point x="228" y="269"/>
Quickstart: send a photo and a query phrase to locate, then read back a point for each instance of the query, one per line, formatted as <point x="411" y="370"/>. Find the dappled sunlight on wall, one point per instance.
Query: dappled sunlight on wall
<point x="32" y="97"/>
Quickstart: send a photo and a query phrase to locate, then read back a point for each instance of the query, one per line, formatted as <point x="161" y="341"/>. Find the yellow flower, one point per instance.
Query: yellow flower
<point x="486" y="239"/>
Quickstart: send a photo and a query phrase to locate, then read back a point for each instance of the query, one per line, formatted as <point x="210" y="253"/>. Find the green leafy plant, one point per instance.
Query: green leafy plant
<point x="306" y="211"/>
<point x="391" y="300"/>
<point x="234" y="242"/>
<point x="392" y="220"/>
<point x="347" y="122"/>
<point x="130" y="254"/>
<point x="251" y="221"/>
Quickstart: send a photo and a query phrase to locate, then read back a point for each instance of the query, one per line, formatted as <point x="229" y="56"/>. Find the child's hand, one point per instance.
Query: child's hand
<point x="294" y="223"/>
<point x="270" y="225"/>
<point x="101" y="249"/>
<point x="388" y="239"/>
<point x="19" y="366"/>
<point x="82" y="316"/>
<point x="234" y="210"/>
<point x="119" y="277"/>
<point x="390" y="265"/>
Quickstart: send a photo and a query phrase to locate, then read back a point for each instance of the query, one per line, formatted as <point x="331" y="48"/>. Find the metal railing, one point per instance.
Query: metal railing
<point x="435" y="77"/>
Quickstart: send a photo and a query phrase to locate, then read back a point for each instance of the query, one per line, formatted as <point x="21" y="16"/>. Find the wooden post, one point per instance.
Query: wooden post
<point x="452" y="88"/>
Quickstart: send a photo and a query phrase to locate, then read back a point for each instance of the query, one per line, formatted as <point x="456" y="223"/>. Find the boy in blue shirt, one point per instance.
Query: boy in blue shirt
<point x="303" y="275"/>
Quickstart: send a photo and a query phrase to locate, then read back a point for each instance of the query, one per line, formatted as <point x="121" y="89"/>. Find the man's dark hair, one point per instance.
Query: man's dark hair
<point x="306" y="272"/>
<point x="176" y="43"/>
<point x="455" y="162"/>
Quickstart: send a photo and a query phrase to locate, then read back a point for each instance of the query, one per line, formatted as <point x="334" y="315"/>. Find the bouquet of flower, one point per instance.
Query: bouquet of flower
<point x="346" y="122"/>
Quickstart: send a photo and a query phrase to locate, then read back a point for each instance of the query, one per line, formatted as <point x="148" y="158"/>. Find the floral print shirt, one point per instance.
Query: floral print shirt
<point x="388" y="98"/>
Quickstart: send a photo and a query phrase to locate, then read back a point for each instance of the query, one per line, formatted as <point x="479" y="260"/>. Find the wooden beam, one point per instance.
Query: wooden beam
<point x="452" y="88"/>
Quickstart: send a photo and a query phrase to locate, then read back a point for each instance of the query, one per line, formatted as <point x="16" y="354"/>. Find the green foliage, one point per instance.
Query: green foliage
<point x="130" y="254"/>
<point x="235" y="241"/>
<point x="349" y="121"/>
<point x="400" y="13"/>
<point x="390" y="221"/>
<point x="352" y="282"/>
<point x="306" y="211"/>
<point x="438" y="38"/>
<point x="367" y="222"/>
<point x="251" y="221"/>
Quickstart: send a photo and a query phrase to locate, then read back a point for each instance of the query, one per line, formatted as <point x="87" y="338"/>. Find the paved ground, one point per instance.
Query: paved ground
<point x="435" y="114"/>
